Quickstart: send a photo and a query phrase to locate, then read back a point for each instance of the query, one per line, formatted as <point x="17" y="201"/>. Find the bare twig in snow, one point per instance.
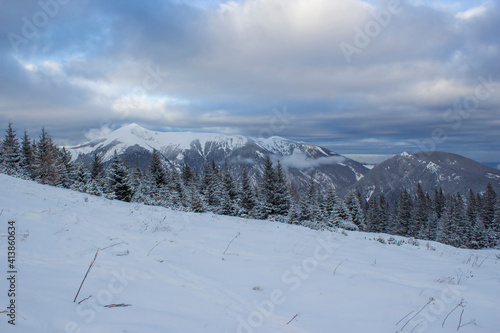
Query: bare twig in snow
<point x="83" y="281"/>
<point x="416" y="326"/>
<point x="479" y="266"/>
<point x="404" y="317"/>
<point x="460" y="321"/>
<point x="155" y="246"/>
<point x="122" y="305"/>
<point x="430" y="300"/>
<point x="298" y="314"/>
<point x="228" y="245"/>
<point x="340" y="263"/>
<point x="459" y="304"/>
<point x="107" y="247"/>
<point x="83" y="300"/>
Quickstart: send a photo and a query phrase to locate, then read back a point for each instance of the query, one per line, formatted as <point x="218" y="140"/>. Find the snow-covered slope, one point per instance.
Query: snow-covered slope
<point x="185" y="272"/>
<point x="135" y="144"/>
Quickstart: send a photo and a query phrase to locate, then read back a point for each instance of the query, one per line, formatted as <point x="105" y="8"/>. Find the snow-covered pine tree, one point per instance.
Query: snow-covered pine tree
<point x="357" y="215"/>
<point x="177" y="198"/>
<point x="384" y="213"/>
<point x="445" y="232"/>
<point x="342" y="218"/>
<point x="372" y="223"/>
<point x="392" y="224"/>
<point x="27" y="157"/>
<point x="135" y="175"/>
<point x="281" y="202"/>
<point x="313" y="202"/>
<point x="247" y="196"/>
<point x="227" y="201"/>
<point x="267" y="188"/>
<point x="405" y="207"/>
<point x="157" y="171"/>
<point x="118" y="180"/>
<point x="488" y="207"/>
<point x="211" y="187"/>
<point x="11" y="152"/>
<point x="66" y="169"/>
<point x="46" y="156"/>
<point x="460" y="227"/>
<point x="419" y="214"/>
<point x="82" y="179"/>
<point x="439" y="202"/>
<point x="188" y="175"/>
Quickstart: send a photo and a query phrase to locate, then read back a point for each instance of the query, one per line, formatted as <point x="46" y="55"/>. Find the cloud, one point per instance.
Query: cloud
<point x="473" y="13"/>
<point x="98" y="133"/>
<point x="301" y="161"/>
<point x="230" y="63"/>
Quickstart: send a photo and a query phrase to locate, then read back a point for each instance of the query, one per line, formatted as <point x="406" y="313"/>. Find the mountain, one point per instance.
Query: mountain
<point x="135" y="145"/>
<point x="453" y="173"/>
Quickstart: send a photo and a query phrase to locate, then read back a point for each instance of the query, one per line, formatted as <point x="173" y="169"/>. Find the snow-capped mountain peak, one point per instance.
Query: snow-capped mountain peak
<point x="135" y="144"/>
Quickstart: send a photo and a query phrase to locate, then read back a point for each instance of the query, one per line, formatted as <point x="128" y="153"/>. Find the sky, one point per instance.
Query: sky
<point x="357" y="77"/>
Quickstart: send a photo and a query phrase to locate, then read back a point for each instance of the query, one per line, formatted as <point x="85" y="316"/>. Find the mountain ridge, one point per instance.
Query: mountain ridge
<point x="135" y="145"/>
<point x="452" y="172"/>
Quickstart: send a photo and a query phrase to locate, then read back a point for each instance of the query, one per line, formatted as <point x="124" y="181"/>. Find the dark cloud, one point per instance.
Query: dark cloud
<point x="233" y="67"/>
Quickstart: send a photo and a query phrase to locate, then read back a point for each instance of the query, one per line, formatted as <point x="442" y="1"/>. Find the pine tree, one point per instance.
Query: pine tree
<point x="281" y="201"/>
<point x="373" y="221"/>
<point x="211" y="187"/>
<point x="342" y="218"/>
<point x="439" y="202"/>
<point x="269" y="180"/>
<point x="353" y="205"/>
<point x="460" y="230"/>
<point x="488" y="207"/>
<point x="118" y="180"/>
<point x="46" y="156"/>
<point x="446" y="233"/>
<point x="247" y="197"/>
<point x="312" y="202"/>
<point x="66" y="169"/>
<point x="405" y="206"/>
<point x="157" y="171"/>
<point x="27" y="157"/>
<point x="419" y="214"/>
<point x="11" y="153"/>
<point x="82" y="179"/>
<point x="188" y="176"/>
<point x="96" y="167"/>
<point x="177" y="197"/>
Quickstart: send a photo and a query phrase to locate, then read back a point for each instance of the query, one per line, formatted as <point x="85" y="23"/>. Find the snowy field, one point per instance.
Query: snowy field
<point x="187" y="272"/>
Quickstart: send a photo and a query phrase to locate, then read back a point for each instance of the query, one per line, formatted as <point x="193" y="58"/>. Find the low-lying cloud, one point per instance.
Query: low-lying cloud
<point x="300" y="161"/>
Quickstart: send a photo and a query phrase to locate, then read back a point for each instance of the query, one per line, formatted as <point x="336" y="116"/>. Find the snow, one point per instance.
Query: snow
<point x="405" y="154"/>
<point x="433" y="167"/>
<point x="186" y="272"/>
<point x="492" y="176"/>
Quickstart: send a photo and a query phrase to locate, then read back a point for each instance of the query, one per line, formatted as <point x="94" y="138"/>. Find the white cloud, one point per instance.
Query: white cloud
<point x="97" y="133"/>
<point x="302" y="162"/>
<point x="473" y="13"/>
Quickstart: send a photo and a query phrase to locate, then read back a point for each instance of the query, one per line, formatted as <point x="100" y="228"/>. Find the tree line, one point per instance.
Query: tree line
<point x="471" y="221"/>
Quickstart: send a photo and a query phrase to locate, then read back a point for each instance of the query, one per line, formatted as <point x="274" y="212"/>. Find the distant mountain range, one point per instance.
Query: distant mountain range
<point x="453" y="173"/>
<point x="135" y="144"/>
